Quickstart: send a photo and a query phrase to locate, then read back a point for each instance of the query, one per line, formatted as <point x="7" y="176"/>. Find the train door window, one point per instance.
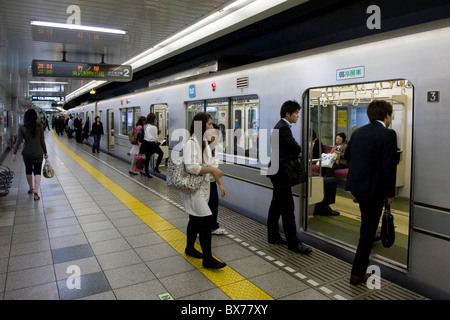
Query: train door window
<point x="245" y="122"/>
<point x="128" y="119"/>
<point x="219" y="111"/>
<point x="341" y="110"/>
<point x="162" y="120"/>
<point x="193" y="108"/>
<point x="110" y="129"/>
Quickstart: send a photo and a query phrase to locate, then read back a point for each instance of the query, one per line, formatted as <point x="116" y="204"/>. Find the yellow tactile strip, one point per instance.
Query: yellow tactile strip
<point x="228" y="280"/>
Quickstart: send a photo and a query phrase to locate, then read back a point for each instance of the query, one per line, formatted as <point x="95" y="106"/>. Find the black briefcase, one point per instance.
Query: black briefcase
<point x="295" y="170"/>
<point x="387" y="227"/>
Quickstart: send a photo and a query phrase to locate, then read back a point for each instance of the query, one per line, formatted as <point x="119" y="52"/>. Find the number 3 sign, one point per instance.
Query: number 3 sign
<point x="433" y="96"/>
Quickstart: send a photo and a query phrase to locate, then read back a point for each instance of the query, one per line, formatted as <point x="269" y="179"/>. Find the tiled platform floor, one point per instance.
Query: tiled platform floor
<point x="79" y="225"/>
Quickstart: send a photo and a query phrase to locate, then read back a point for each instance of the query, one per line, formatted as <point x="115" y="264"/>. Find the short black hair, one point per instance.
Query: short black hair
<point x="378" y="110"/>
<point x="289" y="106"/>
<point x="342" y="135"/>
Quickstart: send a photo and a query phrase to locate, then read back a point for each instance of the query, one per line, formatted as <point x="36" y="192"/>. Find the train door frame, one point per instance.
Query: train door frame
<point x="405" y="106"/>
<point x="110" y="129"/>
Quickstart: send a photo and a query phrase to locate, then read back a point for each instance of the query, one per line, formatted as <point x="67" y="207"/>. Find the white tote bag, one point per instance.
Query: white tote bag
<point x="328" y="159"/>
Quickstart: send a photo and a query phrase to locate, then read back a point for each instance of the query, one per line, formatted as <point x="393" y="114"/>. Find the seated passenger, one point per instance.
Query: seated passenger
<point x="329" y="185"/>
<point x="339" y="149"/>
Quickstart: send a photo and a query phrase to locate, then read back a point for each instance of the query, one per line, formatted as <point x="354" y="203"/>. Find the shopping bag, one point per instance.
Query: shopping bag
<point x="140" y="162"/>
<point x="387" y="227"/>
<point x="328" y="159"/>
<point x="48" y="171"/>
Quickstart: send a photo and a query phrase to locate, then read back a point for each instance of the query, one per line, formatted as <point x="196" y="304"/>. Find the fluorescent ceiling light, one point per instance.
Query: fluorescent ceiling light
<point x="46" y="90"/>
<point x="76" y="27"/>
<point x="48" y="82"/>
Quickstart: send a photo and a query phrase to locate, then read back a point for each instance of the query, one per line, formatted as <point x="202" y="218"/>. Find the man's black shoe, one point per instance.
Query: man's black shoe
<point x="327" y="211"/>
<point x="300" y="248"/>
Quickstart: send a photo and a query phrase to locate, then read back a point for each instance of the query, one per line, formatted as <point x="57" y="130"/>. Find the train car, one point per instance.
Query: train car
<point x="334" y="85"/>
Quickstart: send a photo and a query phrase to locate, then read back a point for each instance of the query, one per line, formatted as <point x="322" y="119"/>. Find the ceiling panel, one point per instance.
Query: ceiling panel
<point x="146" y="21"/>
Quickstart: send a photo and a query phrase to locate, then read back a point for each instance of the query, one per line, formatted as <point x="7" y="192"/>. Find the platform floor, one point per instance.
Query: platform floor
<point x="125" y="237"/>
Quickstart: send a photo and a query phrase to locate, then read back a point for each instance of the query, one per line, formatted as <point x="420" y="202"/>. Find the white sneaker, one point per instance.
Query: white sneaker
<point x="218" y="231"/>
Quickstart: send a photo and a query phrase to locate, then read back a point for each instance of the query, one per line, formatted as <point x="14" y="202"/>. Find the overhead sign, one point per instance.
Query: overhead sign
<point x="81" y="70"/>
<point x="48" y="98"/>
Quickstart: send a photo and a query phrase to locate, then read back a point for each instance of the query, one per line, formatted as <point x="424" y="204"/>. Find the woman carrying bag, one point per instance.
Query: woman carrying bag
<point x="197" y="158"/>
<point x="34" y="149"/>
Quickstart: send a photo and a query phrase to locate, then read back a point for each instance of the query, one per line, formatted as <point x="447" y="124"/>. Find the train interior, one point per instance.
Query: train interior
<point x="342" y="109"/>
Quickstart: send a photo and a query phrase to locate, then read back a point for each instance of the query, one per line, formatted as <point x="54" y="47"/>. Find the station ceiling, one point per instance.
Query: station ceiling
<point x="146" y="22"/>
<point x="243" y="29"/>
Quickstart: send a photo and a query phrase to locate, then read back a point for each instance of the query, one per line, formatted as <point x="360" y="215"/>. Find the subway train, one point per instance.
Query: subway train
<point x="334" y="84"/>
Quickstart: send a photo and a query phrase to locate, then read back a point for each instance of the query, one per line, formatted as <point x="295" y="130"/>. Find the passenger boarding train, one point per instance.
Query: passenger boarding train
<point x="334" y="84"/>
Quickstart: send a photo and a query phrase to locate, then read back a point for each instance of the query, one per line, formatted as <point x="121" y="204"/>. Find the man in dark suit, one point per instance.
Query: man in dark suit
<point x="78" y="125"/>
<point x="282" y="202"/>
<point x="372" y="152"/>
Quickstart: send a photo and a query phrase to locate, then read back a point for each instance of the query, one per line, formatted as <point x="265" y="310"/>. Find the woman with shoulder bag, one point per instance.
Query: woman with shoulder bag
<point x="197" y="158"/>
<point x="33" y="150"/>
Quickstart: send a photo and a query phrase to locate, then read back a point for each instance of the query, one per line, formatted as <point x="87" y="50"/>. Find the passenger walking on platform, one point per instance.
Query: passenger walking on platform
<point x="197" y="158"/>
<point x="372" y="153"/>
<point x="85" y="134"/>
<point x="70" y="127"/>
<point x="97" y="132"/>
<point x="215" y="142"/>
<point x="78" y="126"/>
<point x="150" y="144"/>
<point x="33" y="150"/>
<point x="134" y="151"/>
<point x="282" y="202"/>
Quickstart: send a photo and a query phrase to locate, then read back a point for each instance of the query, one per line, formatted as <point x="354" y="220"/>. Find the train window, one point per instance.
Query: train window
<point x="128" y="119"/>
<point x="342" y="109"/>
<point x="193" y="108"/>
<point x="245" y="121"/>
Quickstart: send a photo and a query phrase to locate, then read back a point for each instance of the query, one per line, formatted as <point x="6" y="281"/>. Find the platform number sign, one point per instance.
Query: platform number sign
<point x="433" y="96"/>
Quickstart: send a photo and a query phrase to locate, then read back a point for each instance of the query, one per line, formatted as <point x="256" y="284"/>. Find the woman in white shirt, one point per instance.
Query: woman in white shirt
<point x="198" y="160"/>
<point x="151" y="143"/>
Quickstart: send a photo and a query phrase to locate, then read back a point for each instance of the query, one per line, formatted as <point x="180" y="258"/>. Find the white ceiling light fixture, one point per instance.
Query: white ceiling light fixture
<point x="48" y="82"/>
<point x="206" y="29"/>
<point x="76" y="27"/>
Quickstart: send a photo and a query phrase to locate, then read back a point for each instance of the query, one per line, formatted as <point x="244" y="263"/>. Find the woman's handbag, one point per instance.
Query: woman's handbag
<point x="133" y="138"/>
<point x="179" y="178"/>
<point x="387" y="227"/>
<point x="328" y="159"/>
<point x="296" y="173"/>
<point x="48" y="171"/>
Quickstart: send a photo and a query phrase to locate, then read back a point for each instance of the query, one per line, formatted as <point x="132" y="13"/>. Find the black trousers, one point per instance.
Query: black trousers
<point x="213" y="204"/>
<point x="282" y="205"/>
<point x="151" y="148"/>
<point x="202" y="227"/>
<point x="371" y="209"/>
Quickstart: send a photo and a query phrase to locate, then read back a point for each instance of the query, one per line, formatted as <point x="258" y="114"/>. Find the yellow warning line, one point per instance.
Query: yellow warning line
<point x="227" y="279"/>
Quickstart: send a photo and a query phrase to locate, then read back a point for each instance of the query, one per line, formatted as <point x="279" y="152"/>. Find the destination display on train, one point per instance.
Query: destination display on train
<point x="81" y="70"/>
